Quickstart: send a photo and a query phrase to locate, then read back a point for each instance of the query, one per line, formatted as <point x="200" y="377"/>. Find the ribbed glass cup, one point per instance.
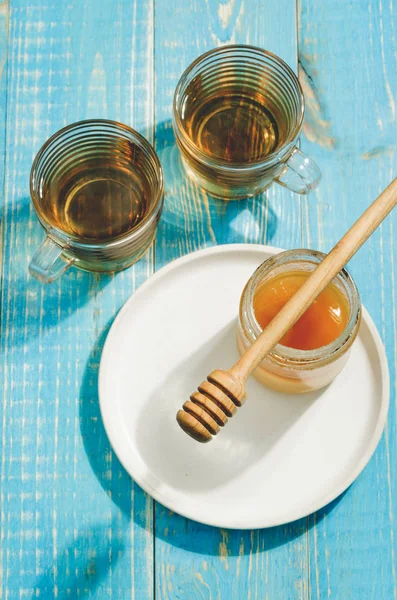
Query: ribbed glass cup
<point x="268" y="84"/>
<point x="109" y="154"/>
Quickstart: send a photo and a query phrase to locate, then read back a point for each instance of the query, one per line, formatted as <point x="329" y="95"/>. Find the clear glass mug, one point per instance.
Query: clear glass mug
<point x="97" y="189"/>
<point x="237" y="115"/>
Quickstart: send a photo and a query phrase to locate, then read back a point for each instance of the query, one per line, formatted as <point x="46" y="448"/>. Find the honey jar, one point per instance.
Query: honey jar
<point x="316" y="349"/>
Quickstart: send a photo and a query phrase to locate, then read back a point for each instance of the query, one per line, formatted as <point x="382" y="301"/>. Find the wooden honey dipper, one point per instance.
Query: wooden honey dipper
<point x="218" y="398"/>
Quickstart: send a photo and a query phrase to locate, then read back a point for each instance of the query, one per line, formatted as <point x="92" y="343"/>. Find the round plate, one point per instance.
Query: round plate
<point x="280" y="457"/>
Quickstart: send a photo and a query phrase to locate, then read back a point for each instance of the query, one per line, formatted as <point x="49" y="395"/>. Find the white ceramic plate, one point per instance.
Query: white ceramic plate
<point x="281" y="457"/>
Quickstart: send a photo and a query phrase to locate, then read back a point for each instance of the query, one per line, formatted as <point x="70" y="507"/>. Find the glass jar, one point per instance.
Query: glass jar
<point x="288" y="369"/>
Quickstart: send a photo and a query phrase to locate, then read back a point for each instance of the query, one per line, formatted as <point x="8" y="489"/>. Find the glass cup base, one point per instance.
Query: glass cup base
<point x="226" y="193"/>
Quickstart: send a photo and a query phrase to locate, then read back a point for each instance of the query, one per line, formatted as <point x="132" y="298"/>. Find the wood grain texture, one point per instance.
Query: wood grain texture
<point x="348" y="68"/>
<point x="73" y="523"/>
<point x="4" y="19"/>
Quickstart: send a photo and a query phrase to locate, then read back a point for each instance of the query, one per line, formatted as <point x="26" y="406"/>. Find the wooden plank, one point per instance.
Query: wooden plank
<point x="194" y="561"/>
<point x="348" y="54"/>
<point x="73" y="523"/>
<point x="4" y="20"/>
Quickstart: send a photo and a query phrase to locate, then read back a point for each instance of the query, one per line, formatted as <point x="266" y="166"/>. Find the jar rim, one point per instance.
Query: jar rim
<point x="295" y="355"/>
<point x="217" y="162"/>
<point x="75" y="241"/>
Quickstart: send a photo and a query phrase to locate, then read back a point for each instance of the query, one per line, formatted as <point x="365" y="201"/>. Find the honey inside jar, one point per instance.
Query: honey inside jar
<point x="322" y="323"/>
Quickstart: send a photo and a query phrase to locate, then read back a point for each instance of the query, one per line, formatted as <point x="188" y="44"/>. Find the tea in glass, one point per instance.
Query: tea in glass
<point x="238" y="111"/>
<point x="97" y="188"/>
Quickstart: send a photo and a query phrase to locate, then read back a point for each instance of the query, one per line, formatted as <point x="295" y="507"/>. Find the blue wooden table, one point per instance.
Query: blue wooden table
<point x="73" y="523"/>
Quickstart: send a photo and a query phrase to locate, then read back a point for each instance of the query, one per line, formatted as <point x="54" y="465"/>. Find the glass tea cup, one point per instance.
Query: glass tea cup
<point x="237" y="114"/>
<point x="97" y="189"/>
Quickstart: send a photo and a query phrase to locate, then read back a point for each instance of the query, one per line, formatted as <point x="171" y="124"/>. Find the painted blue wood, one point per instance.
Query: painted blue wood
<point x="348" y="52"/>
<point x="72" y="523"/>
<point x="4" y="20"/>
<point x="3" y="98"/>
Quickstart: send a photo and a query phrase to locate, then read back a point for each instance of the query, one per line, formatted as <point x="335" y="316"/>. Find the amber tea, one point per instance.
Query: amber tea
<point x="99" y="199"/>
<point x="238" y="111"/>
<point x="97" y="188"/>
<point x="232" y="126"/>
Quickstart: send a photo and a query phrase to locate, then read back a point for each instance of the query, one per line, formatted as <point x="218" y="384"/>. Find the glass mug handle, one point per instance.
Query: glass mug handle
<point x="49" y="262"/>
<point x="300" y="173"/>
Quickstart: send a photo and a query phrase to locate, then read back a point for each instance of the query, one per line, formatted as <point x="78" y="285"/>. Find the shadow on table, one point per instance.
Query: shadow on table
<point x="80" y="567"/>
<point x="241" y="444"/>
<point x="38" y="308"/>
<point x="187" y="208"/>
<point x="191" y="218"/>
<point x="195" y="537"/>
<point x="170" y="527"/>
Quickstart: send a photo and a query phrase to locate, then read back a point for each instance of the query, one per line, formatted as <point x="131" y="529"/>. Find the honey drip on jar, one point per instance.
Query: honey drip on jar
<point x="322" y="323"/>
